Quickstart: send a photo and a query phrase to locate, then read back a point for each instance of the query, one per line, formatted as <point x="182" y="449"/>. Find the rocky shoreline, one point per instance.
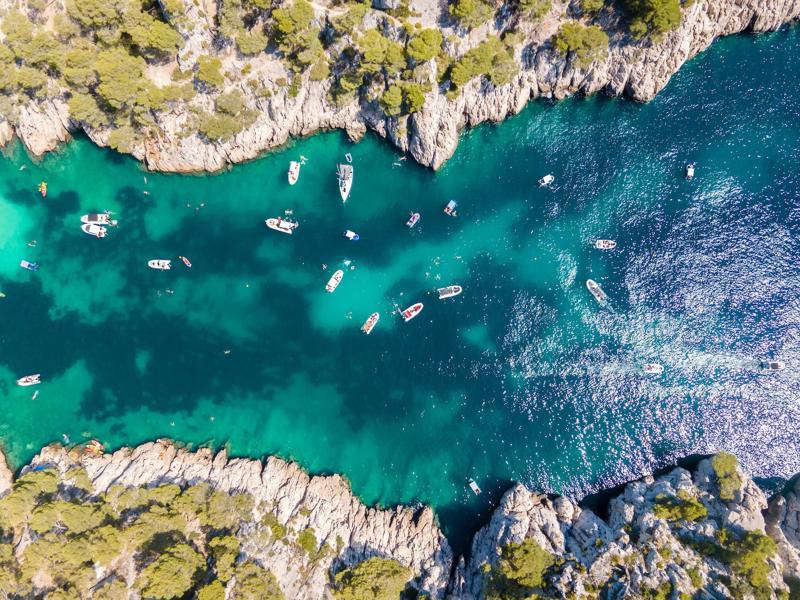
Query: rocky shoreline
<point x="635" y="69"/>
<point x="671" y="532"/>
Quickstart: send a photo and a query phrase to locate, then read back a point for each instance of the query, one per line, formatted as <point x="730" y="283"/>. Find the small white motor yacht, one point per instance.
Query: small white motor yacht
<point x="97" y="231"/>
<point x="449" y="291"/>
<point x="282" y="225"/>
<point x="103" y="218"/>
<point x="450" y="209"/>
<point x="773" y="365"/>
<point x="29" y="380"/>
<point x="412" y="311"/>
<point x="351" y="235"/>
<point x="596" y="290"/>
<point x="160" y="264"/>
<point x="653" y="369"/>
<point x="412" y="220"/>
<point x="690" y="171"/>
<point x="474" y="487"/>
<point x="334" y="281"/>
<point x="605" y="244"/>
<point x="294" y="172"/>
<point x="547" y="180"/>
<point x="370" y="323"/>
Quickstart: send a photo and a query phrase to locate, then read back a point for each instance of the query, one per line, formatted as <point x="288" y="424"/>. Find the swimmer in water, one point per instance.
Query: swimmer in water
<point x="65" y="437"/>
<point x="324" y="267"/>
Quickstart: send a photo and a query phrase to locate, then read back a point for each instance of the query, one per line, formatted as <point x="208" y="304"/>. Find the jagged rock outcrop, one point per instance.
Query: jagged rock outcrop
<point x="638" y="70"/>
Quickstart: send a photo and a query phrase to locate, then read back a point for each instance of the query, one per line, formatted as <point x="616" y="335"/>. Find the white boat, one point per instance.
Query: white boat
<point x="103" y="218"/>
<point x="596" y="290"/>
<point x="31" y="266"/>
<point x="450" y="209"/>
<point x="546" y="180"/>
<point x="412" y="311"/>
<point x="605" y="244"/>
<point x="690" y="171"/>
<point x="773" y="365"/>
<point x="334" y="281"/>
<point x="412" y="220"/>
<point x="282" y="225"/>
<point x="653" y="369"/>
<point x="97" y="231"/>
<point x="351" y="235"/>
<point x="160" y="264"/>
<point x="294" y="172"/>
<point x="474" y="487"/>
<point x="449" y="291"/>
<point x="29" y="380"/>
<point x="345" y="173"/>
<point x="370" y="323"/>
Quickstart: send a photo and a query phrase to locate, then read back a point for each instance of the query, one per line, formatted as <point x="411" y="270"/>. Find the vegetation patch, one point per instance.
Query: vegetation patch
<point x="653" y="17"/>
<point x="586" y="44"/>
<point x="520" y="572"/>
<point x="373" y="579"/>
<point x="684" y="507"/>
<point x="728" y="479"/>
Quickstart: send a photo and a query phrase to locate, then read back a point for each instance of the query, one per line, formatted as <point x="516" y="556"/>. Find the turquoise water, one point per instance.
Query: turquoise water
<point x="522" y="377"/>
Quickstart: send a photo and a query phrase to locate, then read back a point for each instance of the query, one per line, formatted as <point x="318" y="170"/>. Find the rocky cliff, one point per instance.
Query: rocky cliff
<point x="637" y="69"/>
<point x="680" y="535"/>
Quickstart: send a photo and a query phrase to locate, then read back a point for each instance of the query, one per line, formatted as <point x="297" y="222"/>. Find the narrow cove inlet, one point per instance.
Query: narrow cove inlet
<point x="522" y="376"/>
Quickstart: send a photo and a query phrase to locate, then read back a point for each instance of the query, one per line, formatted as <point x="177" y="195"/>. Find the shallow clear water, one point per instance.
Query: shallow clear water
<point x="522" y="377"/>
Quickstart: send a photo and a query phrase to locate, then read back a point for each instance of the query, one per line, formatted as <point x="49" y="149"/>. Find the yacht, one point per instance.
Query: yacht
<point x="29" y="380"/>
<point x="449" y="291"/>
<point x="351" y="235"/>
<point x="370" y="323"/>
<point x="773" y="365"/>
<point x="412" y="220"/>
<point x="103" y="218"/>
<point x="450" y="209"/>
<point x="690" y="171"/>
<point x="474" y="487"/>
<point x="31" y="266"/>
<point x="97" y="231"/>
<point x="345" y="173"/>
<point x="334" y="281"/>
<point x="605" y="244"/>
<point x="160" y="264"/>
<point x="294" y="172"/>
<point x="412" y="311"/>
<point x="282" y="225"/>
<point x="596" y="290"/>
<point x="546" y="180"/>
<point x="653" y="369"/>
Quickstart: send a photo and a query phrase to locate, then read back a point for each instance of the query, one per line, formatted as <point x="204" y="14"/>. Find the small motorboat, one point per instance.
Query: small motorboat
<point x="412" y="220"/>
<point x="351" y="235"/>
<point x="103" y="218"/>
<point x="547" y="180"/>
<point x="160" y="264"/>
<point x="94" y="448"/>
<point x="370" y="323"/>
<point x="2" y="295"/>
<point x="348" y="157"/>
<point x="653" y="369"/>
<point x="450" y="209"/>
<point x="345" y="174"/>
<point x="690" y="171"/>
<point x="43" y="189"/>
<point x="97" y="231"/>
<point x="334" y="281"/>
<point x="29" y="380"/>
<point x="605" y="244"/>
<point x="773" y="365"/>
<point x="186" y="261"/>
<point x="449" y="291"/>
<point x="282" y="225"/>
<point x="294" y="172"/>
<point x="596" y="290"/>
<point x="412" y="311"/>
<point x="31" y="266"/>
<point x="474" y="487"/>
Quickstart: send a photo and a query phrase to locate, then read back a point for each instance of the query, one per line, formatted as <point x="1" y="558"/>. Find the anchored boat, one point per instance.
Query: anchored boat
<point x="605" y="244"/>
<point x="596" y="290"/>
<point x="449" y="291"/>
<point x="103" y="218"/>
<point x="29" y="380"/>
<point x="351" y="235"/>
<point x="450" y="209"/>
<point x="412" y="220"/>
<point x="334" y="281"/>
<point x="547" y="180"/>
<point x="690" y="171"/>
<point x="160" y="264"/>
<point x="43" y="189"/>
<point x="653" y="369"/>
<point x="31" y="266"/>
<point x="370" y="323"/>
<point x="97" y="231"/>
<point x="294" y="172"/>
<point x="412" y="311"/>
<point x="282" y="225"/>
<point x="186" y="261"/>
<point x="345" y="173"/>
<point x="474" y="487"/>
<point x="773" y="365"/>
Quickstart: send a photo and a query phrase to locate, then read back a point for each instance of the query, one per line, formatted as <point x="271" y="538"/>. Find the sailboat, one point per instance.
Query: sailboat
<point x="345" y="173"/>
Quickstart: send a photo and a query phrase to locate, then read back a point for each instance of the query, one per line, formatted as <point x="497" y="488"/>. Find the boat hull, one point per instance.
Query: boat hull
<point x="370" y="323"/>
<point x="449" y="291"/>
<point x="596" y="291"/>
<point x="159" y="265"/>
<point x="334" y="281"/>
<point x="294" y="172"/>
<point x="412" y="311"/>
<point x="281" y="225"/>
<point x="94" y="230"/>
<point x="29" y="380"/>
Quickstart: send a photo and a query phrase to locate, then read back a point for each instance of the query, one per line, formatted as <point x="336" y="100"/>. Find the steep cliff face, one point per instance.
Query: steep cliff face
<point x="672" y="536"/>
<point x="635" y="69"/>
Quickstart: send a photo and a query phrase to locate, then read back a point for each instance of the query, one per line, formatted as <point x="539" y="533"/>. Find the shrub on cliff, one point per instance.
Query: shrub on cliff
<point x="683" y="508"/>
<point x="520" y="572"/>
<point x="209" y="71"/>
<point x="471" y="13"/>
<point x="424" y="45"/>
<point x="587" y="44"/>
<point x="653" y="17"/>
<point x="591" y="6"/>
<point x="172" y="574"/>
<point x="728" y="478"/>
<point x="535" y="9"/>
<point x="255" y="583"/>
<point x="373" y="579"/>
<point x="491" y="58"/>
